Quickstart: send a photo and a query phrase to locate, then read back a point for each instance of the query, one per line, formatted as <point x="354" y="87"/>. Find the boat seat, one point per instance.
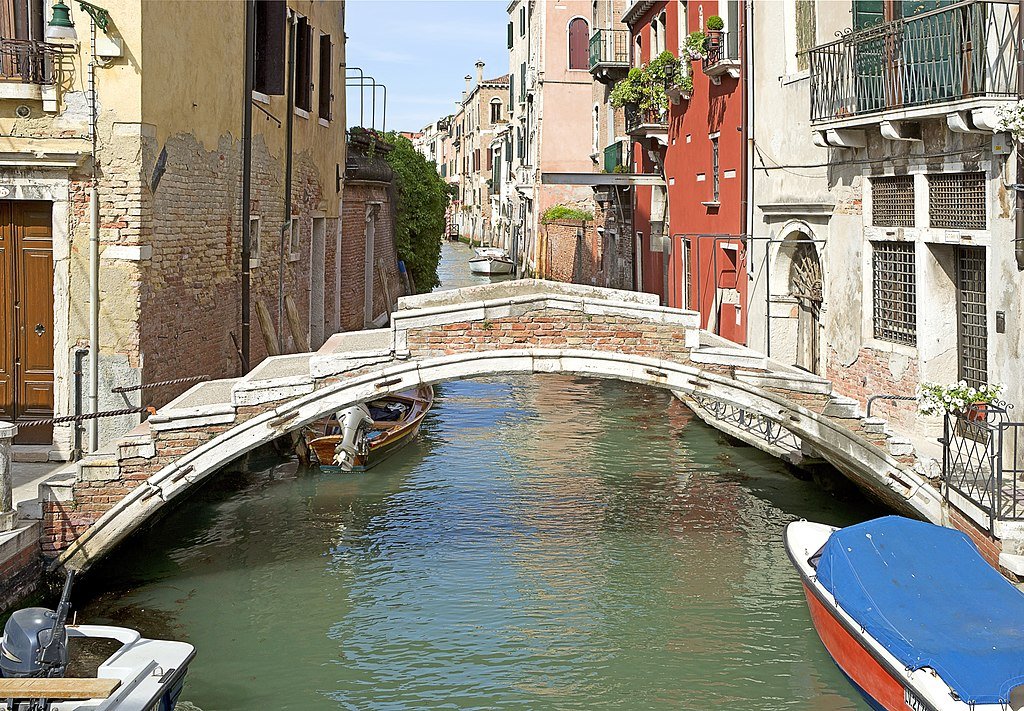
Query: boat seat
<point x="58" y="688"/>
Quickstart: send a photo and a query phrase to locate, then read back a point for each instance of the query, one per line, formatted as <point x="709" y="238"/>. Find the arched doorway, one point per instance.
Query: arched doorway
<point x="805" y="285"/>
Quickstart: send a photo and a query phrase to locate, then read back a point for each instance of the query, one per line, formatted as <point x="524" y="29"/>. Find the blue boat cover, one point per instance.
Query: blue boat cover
<point x="926" y="594"/>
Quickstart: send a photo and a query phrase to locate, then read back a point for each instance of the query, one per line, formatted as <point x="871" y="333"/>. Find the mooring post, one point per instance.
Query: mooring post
<point x="7" y="512"/>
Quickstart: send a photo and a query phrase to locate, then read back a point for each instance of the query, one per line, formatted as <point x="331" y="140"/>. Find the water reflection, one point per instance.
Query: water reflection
<point x="548" y="542"/>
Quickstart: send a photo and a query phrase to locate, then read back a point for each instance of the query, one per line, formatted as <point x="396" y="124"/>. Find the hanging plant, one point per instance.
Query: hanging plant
<point x="696" y="45"/>
<point x="648" y="87"/>
<point x="956" y="399"/>
<point x="1011" y="119"/>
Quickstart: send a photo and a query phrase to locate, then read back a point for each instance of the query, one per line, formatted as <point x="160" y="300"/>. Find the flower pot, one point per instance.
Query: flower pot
<point x="977" y="412"/>
<point x="675" y="94"/>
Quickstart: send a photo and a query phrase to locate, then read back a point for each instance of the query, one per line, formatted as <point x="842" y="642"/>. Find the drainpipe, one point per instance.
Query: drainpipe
<point x="80" y="354"/>
<point x="1018" y="227"/>
<point x="286" y="223"/>
<point x="94" y="259"/>
<point x="250" y="57"/>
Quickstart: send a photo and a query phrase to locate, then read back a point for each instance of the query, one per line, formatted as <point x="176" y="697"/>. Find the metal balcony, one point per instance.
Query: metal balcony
<point x="647" y="123"/>
<point x="959" y="57"/>
<point x="609" y="55"/>
<point x="25" y="67"/>
<point x="723" y="55"/>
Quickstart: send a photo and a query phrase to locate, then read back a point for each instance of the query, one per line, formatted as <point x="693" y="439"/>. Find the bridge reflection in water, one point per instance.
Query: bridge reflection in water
<point x="549" y="542"/>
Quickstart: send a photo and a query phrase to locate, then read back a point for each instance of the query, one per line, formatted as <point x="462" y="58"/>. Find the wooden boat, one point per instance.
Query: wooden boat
<point x="913" y="615"/>
<point x="374" y="430"/>
<point x="491" y="261"/>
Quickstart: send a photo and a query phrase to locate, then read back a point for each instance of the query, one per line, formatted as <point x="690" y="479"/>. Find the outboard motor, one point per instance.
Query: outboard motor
<point x="354" y="423"/>
<point x="35" y="641"/>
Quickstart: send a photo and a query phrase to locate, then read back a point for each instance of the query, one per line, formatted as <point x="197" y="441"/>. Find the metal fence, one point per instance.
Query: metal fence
<point x="760" y="426"/>
<point x="961" y="51"/>
<point x="720" y="47"/>
<point x="28" y="61"/>
<point x="609" y="47"/>
<point x="637" y="117"/>
<point x="983" y="460"/>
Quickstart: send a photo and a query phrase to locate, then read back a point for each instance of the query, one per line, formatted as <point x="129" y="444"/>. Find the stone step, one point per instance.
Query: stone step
<point x="30" y="453"/>
<point x="842" y="407"/>
<point x="874" y="425"/>
<point x="899" y="446"/>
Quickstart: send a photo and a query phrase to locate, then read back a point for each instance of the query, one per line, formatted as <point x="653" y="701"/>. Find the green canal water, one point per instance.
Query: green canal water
<point x="547" y="543"/>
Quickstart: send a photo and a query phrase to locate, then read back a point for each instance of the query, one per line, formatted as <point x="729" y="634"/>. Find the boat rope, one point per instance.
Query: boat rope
<point x="89" y="416"/>
<point x="146" y="386"/>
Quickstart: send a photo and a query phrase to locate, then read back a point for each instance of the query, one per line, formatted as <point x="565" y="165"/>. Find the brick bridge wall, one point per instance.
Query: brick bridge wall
<point x="92" y="495"/>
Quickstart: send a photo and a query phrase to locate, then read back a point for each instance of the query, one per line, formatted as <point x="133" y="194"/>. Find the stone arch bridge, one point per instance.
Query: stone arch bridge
<point x="525" y="326"/>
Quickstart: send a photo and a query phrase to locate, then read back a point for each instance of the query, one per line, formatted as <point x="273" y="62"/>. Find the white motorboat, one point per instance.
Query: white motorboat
<point x="141" y="675"/>
<point x="491" y="261"/>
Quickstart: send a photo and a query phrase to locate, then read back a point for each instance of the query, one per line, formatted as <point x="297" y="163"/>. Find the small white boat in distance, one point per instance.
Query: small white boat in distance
<point x="491" y="261"/>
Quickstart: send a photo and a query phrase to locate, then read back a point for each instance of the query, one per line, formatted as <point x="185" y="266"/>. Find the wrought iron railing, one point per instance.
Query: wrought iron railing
<point x="609" y="47"/>
<point x="637" y="117"/>
<point x="983" y="460"/>
<point x="760" y="426"/>
<point x="719" y="49"/>
<point x="961" y="51"/>
<point x="28" y="61"/>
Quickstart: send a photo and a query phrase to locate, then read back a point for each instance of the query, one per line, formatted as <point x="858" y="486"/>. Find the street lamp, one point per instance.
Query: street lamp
<point x="62" y="27"/>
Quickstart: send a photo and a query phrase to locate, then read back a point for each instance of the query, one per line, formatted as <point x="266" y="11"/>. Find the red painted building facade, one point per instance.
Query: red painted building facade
<point x="689" y="233"/>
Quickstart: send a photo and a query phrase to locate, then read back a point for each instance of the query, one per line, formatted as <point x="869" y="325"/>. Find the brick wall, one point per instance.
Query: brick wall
<point x="21" y="568"/>
<point x="551" y="328"/>
<point x="359" y="195"/>
<point x="871" y="374"/>
<point x="190" y="289"/>
<point x="577" y="252"/>
<point x="989" y="547"/>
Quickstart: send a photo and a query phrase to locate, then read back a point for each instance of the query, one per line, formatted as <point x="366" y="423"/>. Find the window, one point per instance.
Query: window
<point x="579" y="44"/>
<point x="597" y="129"/>
<point x="295" y="235"/>
<point x="957" y="201"/>
<point x="271" y="24"/>
<point x="325" y="97"/>
<point x="806" y="31"/>
<point x="510" y="35"/>
<point x="254" y="242"/>
<point x="304" y="65"/>
<point x="522" y="82"/>
<point x="522" y="21"/>
<point x="655" y="39"/>
<point x="892" y="201"/>
<point x="684" y="29"/>
<point x="495" y="110"/>
<point x="476" y="159"/>
<point x="714" y="168"/>
<point x="894" y="287"/>
<point x="972" y="321"/>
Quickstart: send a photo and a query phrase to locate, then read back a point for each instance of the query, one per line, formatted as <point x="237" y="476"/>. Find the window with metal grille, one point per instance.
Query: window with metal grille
<point x="714" y="169"/>
<point x="972" y="326"/>
<point x="957" y="201"/>
<point x="894" y="288"/>
<point x="892" y="201"/>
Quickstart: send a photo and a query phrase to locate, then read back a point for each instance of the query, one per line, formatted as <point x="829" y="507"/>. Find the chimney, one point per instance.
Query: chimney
<point x="469" y="86"/>
<point x="479" y="72"/>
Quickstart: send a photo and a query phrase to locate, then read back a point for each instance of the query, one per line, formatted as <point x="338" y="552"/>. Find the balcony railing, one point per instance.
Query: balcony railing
<point x="722" y="52"/>
<point x="638" y="119"/>
<point x="962" y="51"/>
<point x="28" y="61"/>
<point x="609" y="48"/>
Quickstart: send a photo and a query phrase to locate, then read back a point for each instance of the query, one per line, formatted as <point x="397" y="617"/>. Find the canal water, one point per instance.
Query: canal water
<point x="548" y="542"/>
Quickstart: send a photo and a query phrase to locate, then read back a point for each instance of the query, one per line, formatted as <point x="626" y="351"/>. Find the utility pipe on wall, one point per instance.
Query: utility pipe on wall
<point x="1018" y="226"/>
<point x="94" y="258"/>
<point x="250" y="59"/>
<point x="286" y="220"/>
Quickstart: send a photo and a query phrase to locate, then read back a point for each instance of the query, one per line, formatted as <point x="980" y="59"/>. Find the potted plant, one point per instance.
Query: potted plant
<point x="683" y="91"/>
<point x="696" y="45"/>
<point x="715" y="24"/>
<point x="958" y="399"/>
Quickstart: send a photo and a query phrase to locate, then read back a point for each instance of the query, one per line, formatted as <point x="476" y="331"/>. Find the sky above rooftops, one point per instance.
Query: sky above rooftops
<point x="421" y="50"/>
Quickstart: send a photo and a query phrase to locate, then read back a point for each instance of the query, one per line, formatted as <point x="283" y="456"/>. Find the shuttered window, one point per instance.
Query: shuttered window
<point x="271" y="28"/>
<point x="304" y="65"/>
<point x="326" y="96"/>
<point x="579" y="44"/>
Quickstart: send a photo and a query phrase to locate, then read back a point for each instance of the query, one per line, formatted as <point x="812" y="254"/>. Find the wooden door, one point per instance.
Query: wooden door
<point x="26" y="308"/>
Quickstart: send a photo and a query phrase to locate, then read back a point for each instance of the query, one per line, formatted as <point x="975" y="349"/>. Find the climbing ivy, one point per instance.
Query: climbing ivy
<point x="419" y="215"/>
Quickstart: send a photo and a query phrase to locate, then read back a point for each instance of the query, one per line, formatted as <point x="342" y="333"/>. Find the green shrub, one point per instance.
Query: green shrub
<point x="420" y="201"/>
<point x="557" y="213"/>
<point x="715" y="23"/>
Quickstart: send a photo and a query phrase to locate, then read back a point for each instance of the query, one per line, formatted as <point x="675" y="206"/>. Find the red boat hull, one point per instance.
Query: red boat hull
<point x="873" y="680"/>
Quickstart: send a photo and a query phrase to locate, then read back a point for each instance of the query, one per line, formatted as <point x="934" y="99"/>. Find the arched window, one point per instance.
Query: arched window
<point x="655" y="39"/>
<point x="579" y="44"/>
<point x="495" y="110"/>
<point x="662" y="34"/>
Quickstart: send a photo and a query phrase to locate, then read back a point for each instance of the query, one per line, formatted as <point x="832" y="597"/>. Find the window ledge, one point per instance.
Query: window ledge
<point x="712" y="203"/>
<point x="294" y="256"/>
<point x="260" y="97"/>
<point x="795" y="77"/>
<point x="323" y="121"/>
<point x="301" y="112"/>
